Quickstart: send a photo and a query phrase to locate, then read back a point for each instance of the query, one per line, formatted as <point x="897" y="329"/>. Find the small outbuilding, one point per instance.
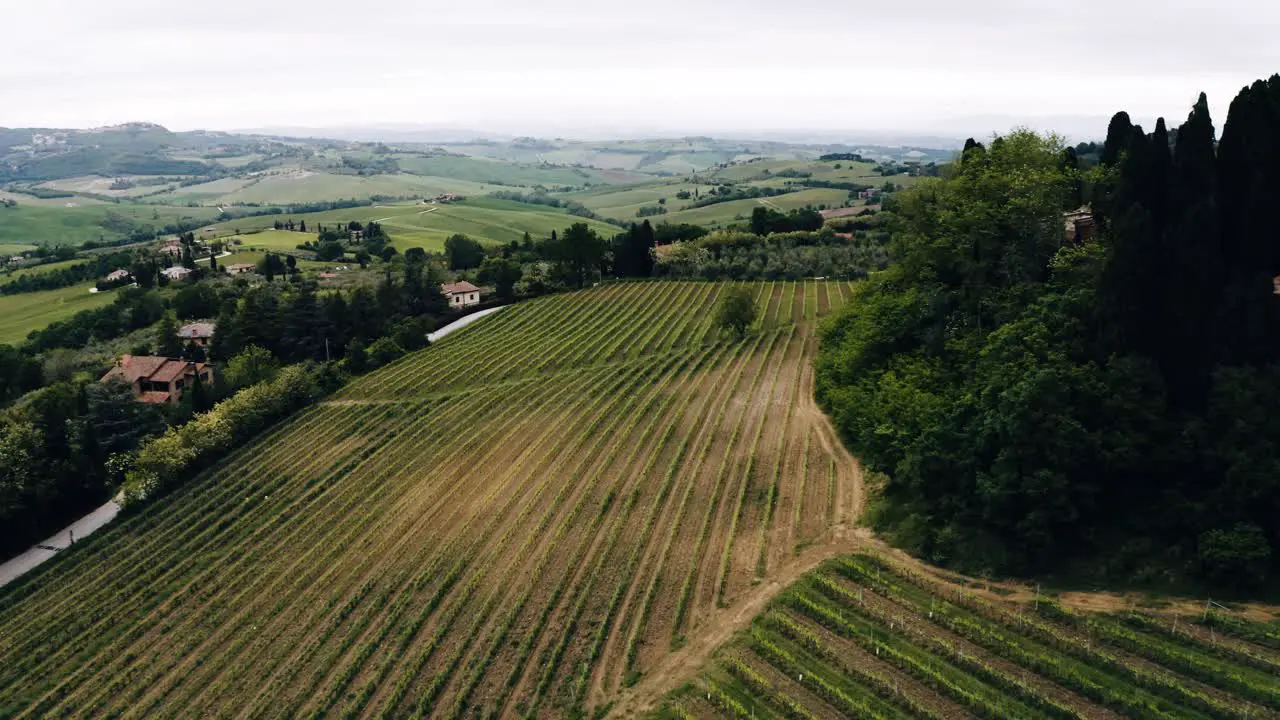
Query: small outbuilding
<point x="199" y="334"/>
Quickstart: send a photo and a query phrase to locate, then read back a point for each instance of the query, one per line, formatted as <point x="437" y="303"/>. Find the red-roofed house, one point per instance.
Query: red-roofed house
<point x="461" y="294"/>
<point x="158" y="380"/>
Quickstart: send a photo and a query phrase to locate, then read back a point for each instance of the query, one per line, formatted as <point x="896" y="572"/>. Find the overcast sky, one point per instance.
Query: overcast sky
<point x="601" y="66"/>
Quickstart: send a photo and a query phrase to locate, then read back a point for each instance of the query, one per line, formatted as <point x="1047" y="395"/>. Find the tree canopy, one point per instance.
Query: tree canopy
<point x="1044" y="404"/>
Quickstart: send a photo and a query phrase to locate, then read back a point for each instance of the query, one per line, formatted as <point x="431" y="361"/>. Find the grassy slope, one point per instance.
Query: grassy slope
<point x="490" y="172"/>
<point x="288" y="186"/>
<point x="20" y="314"/>
<point x="38" y="270"/>
<point x="427" y="226"/>
<point x="74" y="225"/>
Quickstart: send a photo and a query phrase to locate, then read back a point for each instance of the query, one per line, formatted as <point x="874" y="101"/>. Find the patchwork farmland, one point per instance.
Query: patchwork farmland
<point x="863" y="636"/>
<point x="573" y="497"/>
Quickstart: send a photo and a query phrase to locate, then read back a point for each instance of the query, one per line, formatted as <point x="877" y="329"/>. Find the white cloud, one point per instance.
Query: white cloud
<point x="930" y="65"/>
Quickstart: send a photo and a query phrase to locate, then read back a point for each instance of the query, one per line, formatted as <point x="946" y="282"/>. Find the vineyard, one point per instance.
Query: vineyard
<point x="863" y="636"/>
<point x="558" y="505"/>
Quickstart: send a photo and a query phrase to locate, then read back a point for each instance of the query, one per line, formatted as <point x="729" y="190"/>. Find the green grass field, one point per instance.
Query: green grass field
<point x="22" y="313"/>
<point x="426" y="226"/>
<point x="286" y="186"/>
<point x="32" y="225"/>
<point x="15" y="248"/>
<point x="514" y="521"/>
<point x="38" y="269"/>
<point x="490" y="172"/>
<point x="273" y="239"/>
<point x="865" y="637"/>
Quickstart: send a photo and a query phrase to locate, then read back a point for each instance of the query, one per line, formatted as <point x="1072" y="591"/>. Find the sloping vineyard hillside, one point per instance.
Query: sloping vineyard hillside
<point x="863" y="636"/>
<point x="523" y="520"/>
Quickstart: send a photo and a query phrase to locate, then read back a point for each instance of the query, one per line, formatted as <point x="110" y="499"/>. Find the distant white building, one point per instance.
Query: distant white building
<point x="117" y="275"/>
<point x="177" y="272"/>
<point x="461" y="294"/>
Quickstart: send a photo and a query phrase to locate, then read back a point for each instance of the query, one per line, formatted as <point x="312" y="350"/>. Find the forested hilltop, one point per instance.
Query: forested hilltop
<point x="1105" y="407"/>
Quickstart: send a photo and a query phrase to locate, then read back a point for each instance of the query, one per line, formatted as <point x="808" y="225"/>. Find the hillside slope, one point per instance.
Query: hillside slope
<point x="521" y="520"/>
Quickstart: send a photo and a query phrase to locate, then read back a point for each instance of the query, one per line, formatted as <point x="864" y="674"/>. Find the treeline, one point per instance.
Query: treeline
<point x="1105" y="409"/>
<point x="364" y="325"/>
<point x="852" y="187"/>
<point x="60" y="453"/>
<point x="64" y="277"/>
<point x="766" y="221"/>
<point x="729" y="193"/>
<point x="738" y="255"/>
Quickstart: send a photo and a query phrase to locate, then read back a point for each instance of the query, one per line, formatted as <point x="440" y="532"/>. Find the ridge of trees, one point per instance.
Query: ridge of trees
<point x="1104" y="409"/>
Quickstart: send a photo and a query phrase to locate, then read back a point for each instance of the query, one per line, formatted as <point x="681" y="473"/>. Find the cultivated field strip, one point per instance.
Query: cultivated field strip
<point x="862" y="636"/>
<point x="523" y="520"/>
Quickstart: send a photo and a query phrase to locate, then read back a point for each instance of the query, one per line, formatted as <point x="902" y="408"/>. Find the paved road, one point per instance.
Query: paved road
<point x="17" y="567"/>
<point x="462" y="322"/>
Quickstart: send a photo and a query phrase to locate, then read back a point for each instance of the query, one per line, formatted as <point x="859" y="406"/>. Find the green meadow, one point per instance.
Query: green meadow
<point x="22" y="313"/>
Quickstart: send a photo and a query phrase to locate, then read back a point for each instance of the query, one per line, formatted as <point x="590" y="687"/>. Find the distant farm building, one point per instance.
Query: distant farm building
<point x="197" y="333"/>
<point x="172" y="246"/>
<point x="1078" y="225"/>
<point x="117" y="275"/>
<point x="176" y="273"/>
<point x="158" y="380"/>
<point x="461" y="294"/>
<point x="240" y="268"/>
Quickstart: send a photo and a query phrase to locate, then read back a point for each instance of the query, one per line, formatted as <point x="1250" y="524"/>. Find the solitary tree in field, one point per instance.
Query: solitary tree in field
<point x="737" y="311"/>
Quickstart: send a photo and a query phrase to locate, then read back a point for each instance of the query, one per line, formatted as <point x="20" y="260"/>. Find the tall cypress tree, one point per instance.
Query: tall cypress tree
<point x="1192" y="274"/>
<point x="1119" y="134"/>
<point x="1249" y="182"/>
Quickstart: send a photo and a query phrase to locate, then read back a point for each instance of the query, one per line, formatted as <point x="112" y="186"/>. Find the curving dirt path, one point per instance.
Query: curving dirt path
<point x="679" y="666"/>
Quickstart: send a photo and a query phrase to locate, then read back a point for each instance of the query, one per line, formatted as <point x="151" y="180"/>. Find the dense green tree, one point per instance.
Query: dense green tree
<point x="503" y="274"/>
<point x="195" y="300"/>
<point x="580" y="253"/>
<point x="1022" y="394"/>
<point x="168" y="343"/>
<point x="633" y="251"/>
<point x="463" y="253"/>
<point x="329" y="250"/>
<point x="737" y="310"/>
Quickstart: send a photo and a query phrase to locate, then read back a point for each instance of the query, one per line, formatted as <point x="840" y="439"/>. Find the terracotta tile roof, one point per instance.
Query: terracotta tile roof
<point x="458" y="287"/>
<point x="154" y="397"/>
<point x="170" y="371"/>
<point x="132" y="367"/>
